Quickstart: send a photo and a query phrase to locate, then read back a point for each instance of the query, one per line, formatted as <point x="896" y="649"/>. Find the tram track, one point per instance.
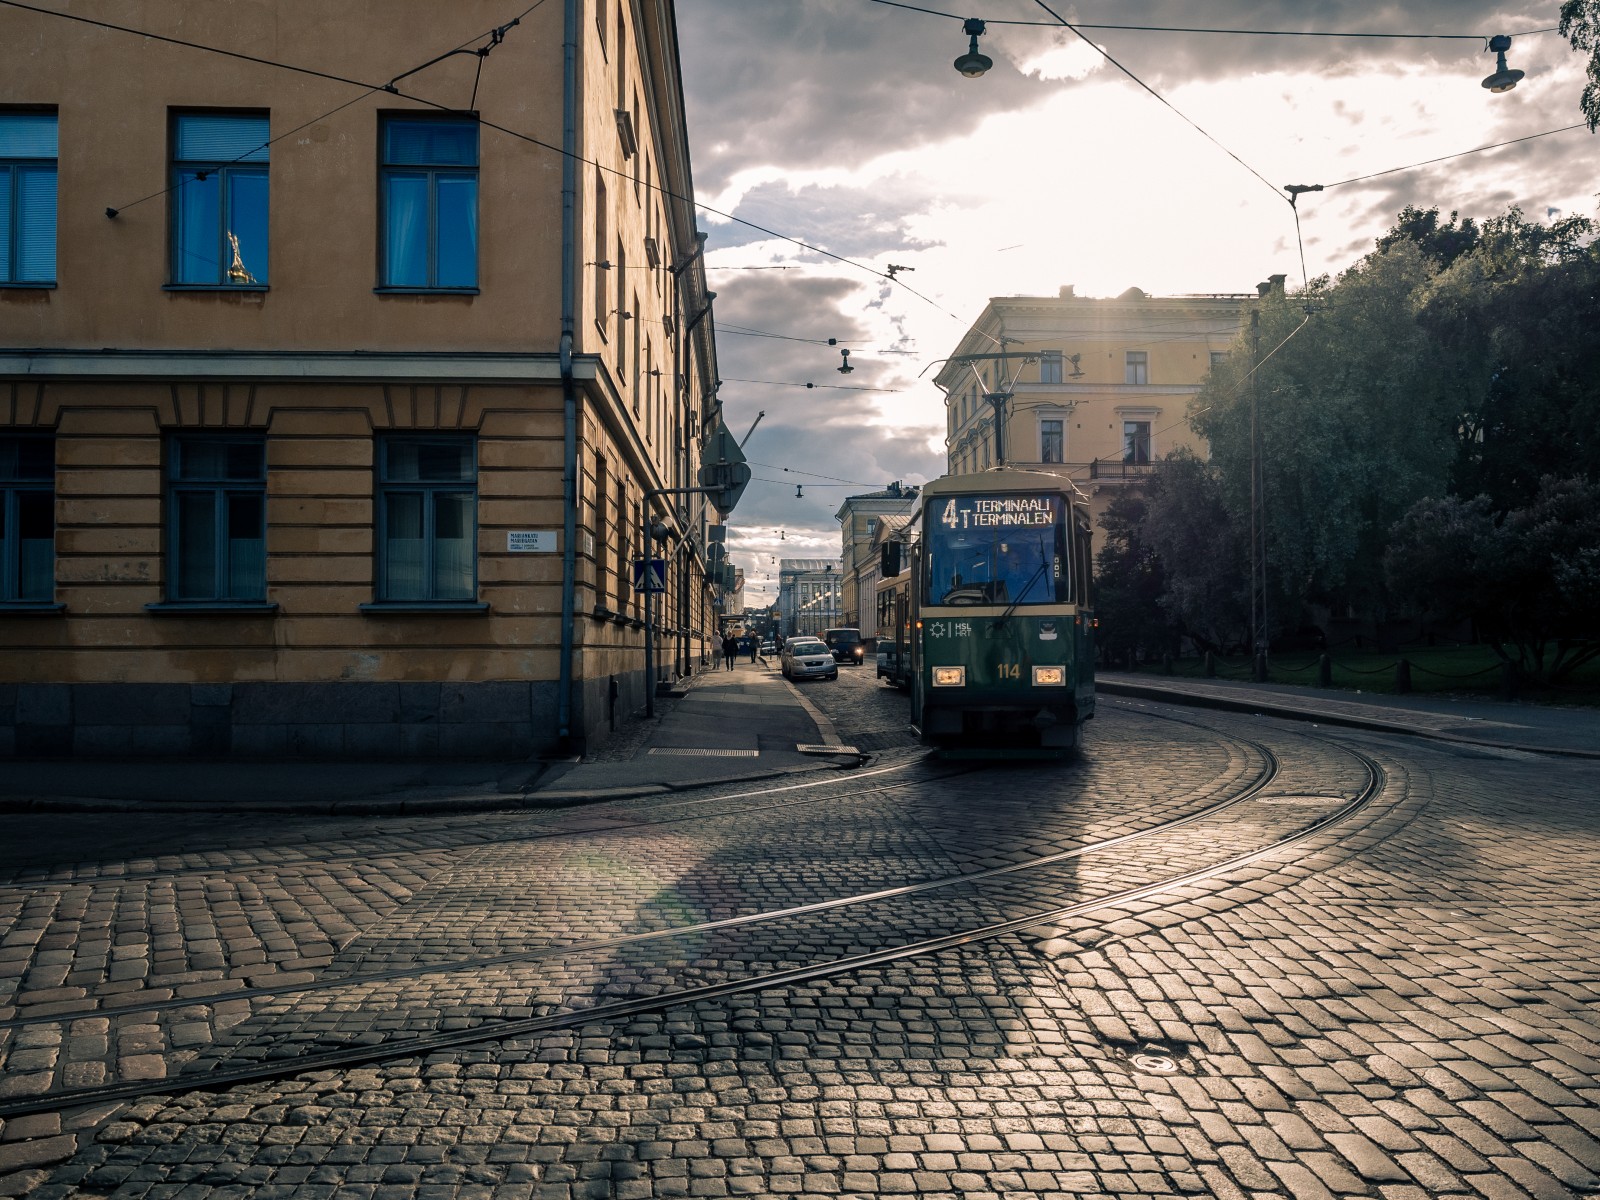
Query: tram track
<point x="411" y="1043"/>
<point x="467" y="846"/>
<point x="600" y="945"/>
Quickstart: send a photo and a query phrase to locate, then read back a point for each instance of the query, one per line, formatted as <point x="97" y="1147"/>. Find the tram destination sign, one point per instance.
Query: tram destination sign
<point x="999" y="512"/>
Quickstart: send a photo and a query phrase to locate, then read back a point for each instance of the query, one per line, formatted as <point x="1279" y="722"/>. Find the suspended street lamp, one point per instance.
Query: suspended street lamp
<point x="972" y="64"/>
<point x="1503" y="79"/>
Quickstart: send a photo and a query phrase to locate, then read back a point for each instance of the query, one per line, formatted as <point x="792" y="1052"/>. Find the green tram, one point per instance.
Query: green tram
<point x="1001" y="649"/>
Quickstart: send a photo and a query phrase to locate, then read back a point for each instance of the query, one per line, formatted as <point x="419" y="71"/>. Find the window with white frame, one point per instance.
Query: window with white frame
<point x="1136" y="442"/>
<point x="1050" y="367"/>
<point x="27" y="198"/>
<point x="1137" y="368"/>
<point x="1052" y="440"/>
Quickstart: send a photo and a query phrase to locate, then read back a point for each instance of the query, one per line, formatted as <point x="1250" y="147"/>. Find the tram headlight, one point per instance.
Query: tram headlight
<point x="949" y="677"/>
<point x="1049" y="677"/>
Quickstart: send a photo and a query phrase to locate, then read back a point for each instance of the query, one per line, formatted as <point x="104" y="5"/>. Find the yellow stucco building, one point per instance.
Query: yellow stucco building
<point x="340" y="348"/>
<point x="1098" y="388"/>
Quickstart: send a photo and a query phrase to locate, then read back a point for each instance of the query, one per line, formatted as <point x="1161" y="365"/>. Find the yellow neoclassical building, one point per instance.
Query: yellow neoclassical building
<point x="1099" y="388"/>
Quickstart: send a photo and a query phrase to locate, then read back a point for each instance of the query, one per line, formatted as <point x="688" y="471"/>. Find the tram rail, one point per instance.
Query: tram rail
<point x="406" y="1043"/>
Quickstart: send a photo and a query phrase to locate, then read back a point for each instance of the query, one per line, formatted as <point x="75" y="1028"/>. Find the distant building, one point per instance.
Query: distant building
<point x="858" y="519"/>
<point x="1099" y="389"/>
<point x="809" y="597"/>
<point x="328" y="415"/>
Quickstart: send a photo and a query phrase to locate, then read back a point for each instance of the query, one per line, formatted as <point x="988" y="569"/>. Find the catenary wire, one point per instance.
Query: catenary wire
<point x="1315" y="33"/>
<point x="1189" y="121"/>
<point x="392" y="90"/>
<point x="1460" y="154"/>
<point x="839" y="387"/>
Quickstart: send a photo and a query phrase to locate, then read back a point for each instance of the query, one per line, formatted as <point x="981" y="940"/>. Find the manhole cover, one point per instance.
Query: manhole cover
<point x="1154" y="1064"/>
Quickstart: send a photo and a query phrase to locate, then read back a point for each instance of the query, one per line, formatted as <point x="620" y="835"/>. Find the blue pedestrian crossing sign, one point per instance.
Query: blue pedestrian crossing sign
<point x="649" y="575"/>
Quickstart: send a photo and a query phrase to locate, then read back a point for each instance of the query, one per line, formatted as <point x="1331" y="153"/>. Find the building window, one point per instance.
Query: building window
<point x="1218" y="357"/>
<point x="27" y="520"/>
<point x="1051" y="440"/>
<point x="1138" y="367"/>
<point x="1050" y="367"/>
<point x="430" y="203"/>
<point x="27" y="197"/>
<point x="428" y="519"/>
<point x="217" y="519"/>
<point x="219" y="199"/>
<point x="1136" y="441"/>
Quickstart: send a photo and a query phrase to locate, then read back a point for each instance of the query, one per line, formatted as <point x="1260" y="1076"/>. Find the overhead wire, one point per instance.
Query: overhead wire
<point x="497" y="35"/>
<point x="391" y="89"/>
<point x="1317" y="33"/>
<point x="839" y="387"/>
<point x="1460" y="154"/>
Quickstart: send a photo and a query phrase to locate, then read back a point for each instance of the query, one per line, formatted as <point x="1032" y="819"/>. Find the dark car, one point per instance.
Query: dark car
<point x="846" y="645"/>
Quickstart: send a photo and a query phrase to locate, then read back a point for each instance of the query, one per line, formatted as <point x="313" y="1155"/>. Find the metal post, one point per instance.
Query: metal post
<point x="1258" y="525"/>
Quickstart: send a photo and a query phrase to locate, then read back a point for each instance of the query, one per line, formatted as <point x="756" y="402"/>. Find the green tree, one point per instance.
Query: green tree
<point x="1442" y="243"/>
<point x="1513" y="325"/>
<point x="1580" y="25"/>
<point x="1354" y="422"/>
<point x="1129" y="582"/>
<point x="1203" y="551"/>
<point x="1529" y="579"/>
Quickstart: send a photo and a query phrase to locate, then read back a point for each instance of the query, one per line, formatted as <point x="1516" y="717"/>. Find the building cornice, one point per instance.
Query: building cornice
<point x="267" y="366"/>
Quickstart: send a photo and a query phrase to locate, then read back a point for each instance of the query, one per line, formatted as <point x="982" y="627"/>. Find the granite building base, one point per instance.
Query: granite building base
<point x="498" y="720"/>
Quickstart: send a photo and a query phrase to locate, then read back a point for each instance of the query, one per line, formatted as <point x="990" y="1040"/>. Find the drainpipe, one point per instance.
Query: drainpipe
<point x="569" y="394"/>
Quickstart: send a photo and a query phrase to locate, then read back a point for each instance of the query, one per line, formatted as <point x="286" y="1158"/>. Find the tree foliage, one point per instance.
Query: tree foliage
<point x="1190" y="528"/>
<point x="1528" y="578"/>
<point x="1580" y="25"/>
<point x="1513" y="324"/>
<point x="1351" y="411"/>
<point x="1129" y="583"/>
<point x="1457" y="359"/>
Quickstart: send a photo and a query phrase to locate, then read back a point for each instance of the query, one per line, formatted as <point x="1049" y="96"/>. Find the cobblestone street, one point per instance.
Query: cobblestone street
<point x="1216" y="955"/>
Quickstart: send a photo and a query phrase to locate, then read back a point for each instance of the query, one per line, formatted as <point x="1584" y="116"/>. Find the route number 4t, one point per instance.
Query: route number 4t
<point x="949" y="519"/>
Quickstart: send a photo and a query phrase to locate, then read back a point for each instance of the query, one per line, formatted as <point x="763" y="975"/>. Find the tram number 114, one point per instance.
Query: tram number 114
<point x="1010" y="670"/>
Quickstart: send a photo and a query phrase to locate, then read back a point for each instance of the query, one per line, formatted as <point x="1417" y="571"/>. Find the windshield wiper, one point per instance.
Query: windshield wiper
<point x="1023" y="591"/>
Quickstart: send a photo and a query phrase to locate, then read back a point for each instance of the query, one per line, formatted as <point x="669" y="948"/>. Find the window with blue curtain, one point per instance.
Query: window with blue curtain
<point x="217" y="519"/>
<point x="219" y="199"/>
<point x="428" y="519"/>
<point x="430" y="203"/>
<point x="27" y="520"/>
<point x="28" y="147"/>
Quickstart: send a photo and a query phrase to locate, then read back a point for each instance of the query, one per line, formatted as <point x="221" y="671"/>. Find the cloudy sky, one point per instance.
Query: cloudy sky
<point x="842" y="124"/>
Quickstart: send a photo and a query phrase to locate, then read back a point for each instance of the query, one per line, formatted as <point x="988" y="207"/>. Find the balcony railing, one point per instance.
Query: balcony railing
<point x="1120" y="469"/>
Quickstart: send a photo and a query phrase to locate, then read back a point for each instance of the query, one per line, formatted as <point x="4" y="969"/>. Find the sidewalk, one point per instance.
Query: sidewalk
<point x="748" y="723"/>
<point x="725" y="726"/>
<point x="1538" y="729"/>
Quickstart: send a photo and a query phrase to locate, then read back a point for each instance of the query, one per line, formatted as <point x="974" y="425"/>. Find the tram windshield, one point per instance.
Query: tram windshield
<point x="996" y="549"/>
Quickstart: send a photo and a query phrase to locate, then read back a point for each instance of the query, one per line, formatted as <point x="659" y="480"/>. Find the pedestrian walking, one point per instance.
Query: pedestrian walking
<point x="730" y="647"/>
<point x="755" y="644"/>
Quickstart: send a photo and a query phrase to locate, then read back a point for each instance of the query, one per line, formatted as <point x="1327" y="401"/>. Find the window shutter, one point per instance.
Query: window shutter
<point x="221" y="137"/>
<point x="36" y="223"/>
<point x="28" y="135"/>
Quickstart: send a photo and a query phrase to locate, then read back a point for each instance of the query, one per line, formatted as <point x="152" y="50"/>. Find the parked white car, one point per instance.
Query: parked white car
<point x="806" y="658"/>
